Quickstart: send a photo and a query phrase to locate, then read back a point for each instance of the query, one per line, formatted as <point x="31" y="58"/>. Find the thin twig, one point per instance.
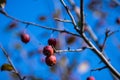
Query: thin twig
<point x="61" y="20"/>
<point x="99" y="69"/>
<point x="82" y="15"/>
<point x="72" y="50"/>
<point x="89" y="29"/>
<point x="105" y="39"/>
<point x="107" y="35"/>
<point x="11" y="63"/>
<point x="34" y="24"/>
<point x="101" y="56"/>
<point x="70" y="14"/>
<point x="95" y="50"/>
<point x="98" y="53"/>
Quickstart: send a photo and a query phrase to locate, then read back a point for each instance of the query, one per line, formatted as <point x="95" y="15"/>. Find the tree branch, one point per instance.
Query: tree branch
<point x="61" y="20"/>
<point x="11" y="63"/>
<point x="72" y="50"/>
<point x="101" y="56"/>
<point x="70" y="14"/>
<point x="90" y="44"/>
<point x="107" y="35"/>
<point x="99" y="69"/>
<point x="34" y="24"/>
<point x="82" y="15"/>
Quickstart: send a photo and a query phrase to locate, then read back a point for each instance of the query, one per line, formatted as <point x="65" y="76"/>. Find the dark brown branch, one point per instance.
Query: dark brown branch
<point x="105" y="39"/>
<point x="82" y="15"/>
<point x="107" y="35"/>
<point x="99" y="69"/>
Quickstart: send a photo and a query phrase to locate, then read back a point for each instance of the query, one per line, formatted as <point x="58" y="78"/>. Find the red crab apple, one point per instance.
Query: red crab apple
<point x="118" y="20"/>
<point x="25" y="37"/>
<point x="50" y="60"/>
<point x="48" y="50"/>
<point x="52" y="41"/>
<point x="91" y="78"/>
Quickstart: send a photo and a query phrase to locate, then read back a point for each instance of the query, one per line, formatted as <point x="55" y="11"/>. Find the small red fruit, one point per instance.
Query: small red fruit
<point x="48" y="51"/>
<point x="50" y="60"/>
<point x="90" y="78"/>
<point x="118" y="20"/>
<point x="52" y="41"/>
<point x="25" y="37"/>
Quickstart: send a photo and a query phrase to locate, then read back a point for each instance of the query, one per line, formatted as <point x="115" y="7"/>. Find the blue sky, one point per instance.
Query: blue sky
<point x="30" y="10"/>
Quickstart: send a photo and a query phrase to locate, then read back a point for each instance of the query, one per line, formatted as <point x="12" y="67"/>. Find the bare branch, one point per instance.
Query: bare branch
<point x="101" y="56"/>
<point x="72" y="50"/>
<point x="11" y="63"/>
<point x="89" y="29"/>
<point x="61" y="20"/>
<point x="95" y="50"/>
<point x="82" y="15"/>
<point x="107" y="35"/>
<point x="70" y="14"/>
<point x="34" y="24"/>
<point x="99" y="69"/>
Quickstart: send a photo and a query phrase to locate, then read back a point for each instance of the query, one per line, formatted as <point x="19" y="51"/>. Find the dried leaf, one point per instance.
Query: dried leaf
<point x="56" y="14"/>
<point x="71" y="39"/>
<point x="6" y="67"/>
<point x="2" y="3"/>
<point x="42" y="18"/>
<point x="11" y="26"/>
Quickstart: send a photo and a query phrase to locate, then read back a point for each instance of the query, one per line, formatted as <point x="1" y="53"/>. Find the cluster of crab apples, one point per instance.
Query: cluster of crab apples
<point x="48" y="51"/>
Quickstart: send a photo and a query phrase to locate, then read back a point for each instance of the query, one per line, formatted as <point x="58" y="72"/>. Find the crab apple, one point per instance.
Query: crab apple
<point x="25" y="37"/>
<point x="118" y="20"/>
<point x="91" y="78"/>
<point x="50" y="60"/>
<point x="48" y="50"/>
<point x="52" y="41"/>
